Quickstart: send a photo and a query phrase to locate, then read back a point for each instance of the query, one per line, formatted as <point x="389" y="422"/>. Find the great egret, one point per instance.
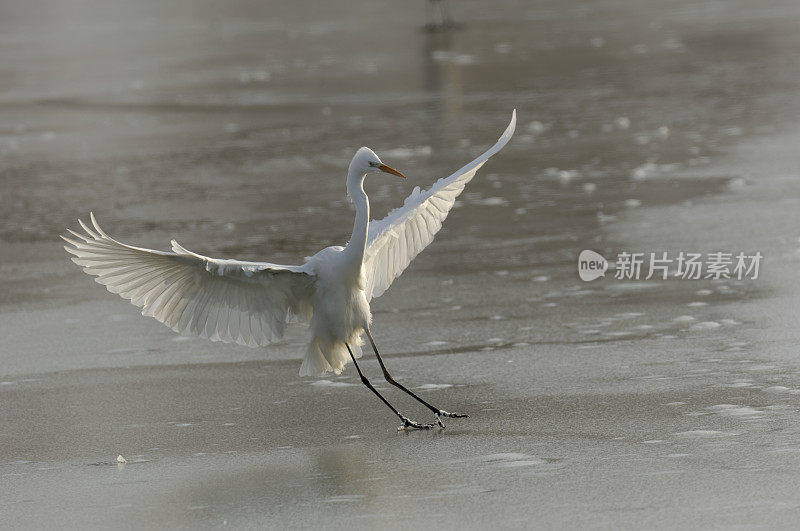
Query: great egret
<point x="250" y="303"/>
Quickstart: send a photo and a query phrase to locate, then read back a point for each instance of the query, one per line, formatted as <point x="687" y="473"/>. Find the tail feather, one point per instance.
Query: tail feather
<point x="323" y="356"/>
<point x="314" y="363"/>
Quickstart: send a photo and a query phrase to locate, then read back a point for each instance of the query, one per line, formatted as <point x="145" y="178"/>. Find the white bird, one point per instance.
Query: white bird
<point x="250" y="303"/>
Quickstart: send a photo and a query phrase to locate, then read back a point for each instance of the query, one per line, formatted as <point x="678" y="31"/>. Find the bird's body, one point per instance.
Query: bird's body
<point x="251" y="302"/>
<point x="341" y="308"/>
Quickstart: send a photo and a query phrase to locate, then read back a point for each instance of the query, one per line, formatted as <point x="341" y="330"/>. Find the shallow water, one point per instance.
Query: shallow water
<point x="642" y="127"/>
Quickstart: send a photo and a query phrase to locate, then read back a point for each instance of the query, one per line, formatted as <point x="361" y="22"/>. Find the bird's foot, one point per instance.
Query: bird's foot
<point x="443" y="413"/>
<point x="409" y="424"/>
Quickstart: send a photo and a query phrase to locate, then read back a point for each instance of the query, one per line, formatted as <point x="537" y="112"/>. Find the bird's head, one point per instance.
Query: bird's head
<point x="366" y="161"/>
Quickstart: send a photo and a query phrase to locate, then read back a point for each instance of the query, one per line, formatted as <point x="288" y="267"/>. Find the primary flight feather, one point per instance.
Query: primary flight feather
<point x="250" y="303"/>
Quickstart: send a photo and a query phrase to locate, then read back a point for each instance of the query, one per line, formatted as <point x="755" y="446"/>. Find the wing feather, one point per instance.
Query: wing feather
<point x="224" y="300"/>
<point x="394" y="241"/>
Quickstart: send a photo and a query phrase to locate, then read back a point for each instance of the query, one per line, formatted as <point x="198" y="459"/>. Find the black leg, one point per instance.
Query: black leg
<point x="436" y="411"/>
<point x="407" y="423"/>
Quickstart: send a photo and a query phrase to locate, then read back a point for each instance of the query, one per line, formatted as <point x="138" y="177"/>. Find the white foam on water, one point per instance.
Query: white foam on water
<point x="776" y="389"/>
<point x="732" y="410"/>
<point x="632" y="203"/>
<point x="644" y="171"/>
<point x="684" y="318"/>
<point x="502" y="47"/>
<point x="703" y="434"/>
<point x="491" y="201"/>
<point x="761" y="368"/>
<point x="329" y="383"/>
<point x="515" y="464"/>
<point x="566" y="176"/>
<point x="407" y="153"/>
<point x="706" y="325"/>
<point x="537" y="127"/>
<point x="434" y="343"/>
<point x="452" y="57"/>
<point x="599" y="42"/>
<point x="344" y="498"/>
<point x="605" y="218"/>
<point x="434" y="386"/>
<point x="732" y="131"/>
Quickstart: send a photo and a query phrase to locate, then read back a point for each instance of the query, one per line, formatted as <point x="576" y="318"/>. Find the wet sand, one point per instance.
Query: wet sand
<point x="611" y="404"/>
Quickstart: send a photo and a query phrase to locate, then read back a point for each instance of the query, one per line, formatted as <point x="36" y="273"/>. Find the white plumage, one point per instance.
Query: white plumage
<point x="250" y="303"/>
<point x="223" y="300"/>
<point x="395" y="240"/>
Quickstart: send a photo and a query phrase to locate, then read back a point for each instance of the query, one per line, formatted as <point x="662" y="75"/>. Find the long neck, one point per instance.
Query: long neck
<point x="358" y="240"/>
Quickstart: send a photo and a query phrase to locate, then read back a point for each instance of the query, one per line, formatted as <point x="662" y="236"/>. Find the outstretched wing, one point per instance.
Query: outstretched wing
<point x="223" y="300"/>
<point x="396" y="239"/>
